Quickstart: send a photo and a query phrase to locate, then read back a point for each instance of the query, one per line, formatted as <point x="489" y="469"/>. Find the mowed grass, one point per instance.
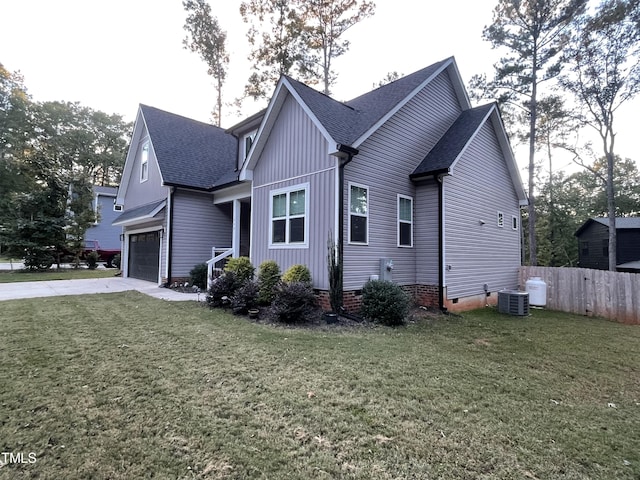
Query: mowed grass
<point x="124" y="386"/>
<point x="10" y="276"/>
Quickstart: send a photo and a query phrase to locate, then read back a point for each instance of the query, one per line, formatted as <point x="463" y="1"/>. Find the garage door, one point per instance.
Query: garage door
<point x="144" y="255"/>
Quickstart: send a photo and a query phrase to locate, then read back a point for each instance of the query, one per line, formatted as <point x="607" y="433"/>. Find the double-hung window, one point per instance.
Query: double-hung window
<point x="405" y="221"/>
<point x="358" y="214"/>
<point x="144" y="163"/>
<point x="289" y="216"/>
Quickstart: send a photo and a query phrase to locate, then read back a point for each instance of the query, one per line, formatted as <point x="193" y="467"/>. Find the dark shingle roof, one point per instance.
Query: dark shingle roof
<point x="621" y="222"/>
<point x="190" y="153"/>
<point x="149" y="210"/>
<point x="449" y="147"/>
<point x="348" y="121"/>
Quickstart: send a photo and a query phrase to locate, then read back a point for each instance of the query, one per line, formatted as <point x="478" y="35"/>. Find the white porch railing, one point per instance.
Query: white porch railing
<point x="217" y="254"/>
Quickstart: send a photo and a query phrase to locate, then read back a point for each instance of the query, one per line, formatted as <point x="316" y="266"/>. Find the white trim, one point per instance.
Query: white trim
<point x="167" y="226"/>
<point x="515" y="223"/>
<point x="287" y="191"/>
<point x="290" y="179"/>
<point x="234" y="192"/>
<point x="235" y="227"/>
<point x="148" y="216"/>
<point x="399" y="220"/>
<point x="358" y="185"/>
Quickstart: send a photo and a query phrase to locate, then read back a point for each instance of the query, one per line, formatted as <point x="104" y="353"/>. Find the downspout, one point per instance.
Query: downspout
<point x="438" y="178"/>
<point x="343" y="160"/>
<point x="172" y="191"/>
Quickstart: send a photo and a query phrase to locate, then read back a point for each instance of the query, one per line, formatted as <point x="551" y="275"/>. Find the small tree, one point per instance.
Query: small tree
<point x="335" y="275"/>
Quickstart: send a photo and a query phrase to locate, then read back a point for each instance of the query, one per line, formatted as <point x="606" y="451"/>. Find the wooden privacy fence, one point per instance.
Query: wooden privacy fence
<point x="612" y="295"/>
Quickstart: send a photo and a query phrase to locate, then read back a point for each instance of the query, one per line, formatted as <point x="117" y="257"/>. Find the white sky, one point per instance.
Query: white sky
<point x="113" y="55"/>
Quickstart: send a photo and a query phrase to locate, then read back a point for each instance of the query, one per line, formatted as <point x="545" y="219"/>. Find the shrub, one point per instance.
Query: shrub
<point x="297" y="274"/>
<point x="198" y="276"/>
<point x="92" y="260"/>
<point x="241" y="267"/>
<point x="293" y="302"/>
<point x="384" y="302"/>
<point x="116" y="260"/>
<point x="268" y="279"/>
<point x="246" y="297"/>
<point x="222" y="289"/>
<point x="38" y="259"/>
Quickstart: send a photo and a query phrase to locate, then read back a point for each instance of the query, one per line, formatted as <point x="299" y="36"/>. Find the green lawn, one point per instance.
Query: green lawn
<point x="9" y="276"/>
<point x="124" y="386"/>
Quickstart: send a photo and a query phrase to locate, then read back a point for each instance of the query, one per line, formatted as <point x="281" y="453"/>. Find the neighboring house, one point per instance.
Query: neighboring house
<point x="593" y="244"/>
<point x="408" y="176"/>
<point x="103" y="231"/>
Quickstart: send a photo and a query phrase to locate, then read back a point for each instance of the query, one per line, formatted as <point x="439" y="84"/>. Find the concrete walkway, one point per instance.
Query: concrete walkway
<point x="18" y="290"/>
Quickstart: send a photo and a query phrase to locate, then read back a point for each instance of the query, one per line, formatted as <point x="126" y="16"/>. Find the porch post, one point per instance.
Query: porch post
<point x="235" y="234"/>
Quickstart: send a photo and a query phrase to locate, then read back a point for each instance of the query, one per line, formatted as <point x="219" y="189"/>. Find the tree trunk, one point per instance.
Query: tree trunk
<point x="611" y="206"/>
<point x="533" y="248"/>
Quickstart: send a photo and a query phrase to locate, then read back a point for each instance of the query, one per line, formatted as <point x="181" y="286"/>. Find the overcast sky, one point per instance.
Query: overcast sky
<point x="113" y="55"/>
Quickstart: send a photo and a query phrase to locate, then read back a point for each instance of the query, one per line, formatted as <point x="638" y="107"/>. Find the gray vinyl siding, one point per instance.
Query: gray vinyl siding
<point x="477" y="254"/>
<point x="426" y="230"/>
<point x="296" y="153"/>
<point x="384" y="164"/>
<point x="107" y="235"/>
<point x="142" y="193"/>
<point x="198" y="225"/>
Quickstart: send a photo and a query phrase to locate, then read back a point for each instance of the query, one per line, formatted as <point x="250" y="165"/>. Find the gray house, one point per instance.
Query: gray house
<point x="102" y="230"/>
<point x="415" y="184"/>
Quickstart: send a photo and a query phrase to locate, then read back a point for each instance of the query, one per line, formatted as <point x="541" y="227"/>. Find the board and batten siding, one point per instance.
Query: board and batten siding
<point x="384" y="163"/>
<point x="142" y="193"/>
<point x="295" y="154"/>
<point x="475" y="253"/>
<point x="426" y="230"/>
<point x="198" y="225"/>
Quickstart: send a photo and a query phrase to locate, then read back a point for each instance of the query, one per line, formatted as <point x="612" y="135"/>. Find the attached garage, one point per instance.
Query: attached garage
<point x="144" y="255"/>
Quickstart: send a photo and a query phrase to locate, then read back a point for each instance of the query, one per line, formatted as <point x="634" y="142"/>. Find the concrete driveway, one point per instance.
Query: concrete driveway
<point x="18" y="290"/>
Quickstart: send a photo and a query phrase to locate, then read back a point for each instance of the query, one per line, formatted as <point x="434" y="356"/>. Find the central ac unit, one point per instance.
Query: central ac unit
<point x="513" y="302"/>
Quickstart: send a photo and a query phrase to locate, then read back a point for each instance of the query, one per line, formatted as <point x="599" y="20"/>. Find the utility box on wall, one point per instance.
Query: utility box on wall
<point x="386" y="269"/>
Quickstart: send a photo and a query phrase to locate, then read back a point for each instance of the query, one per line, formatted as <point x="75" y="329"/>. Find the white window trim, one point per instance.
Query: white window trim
<point x="287" y="191"/>
<point x="515" y="223"/>
<point x="358" y="185"/>
<point x="399" y="221"/>
<point x="252" y="136"/>
<point x="144" y="161"/>
<point x="500" y="219"/>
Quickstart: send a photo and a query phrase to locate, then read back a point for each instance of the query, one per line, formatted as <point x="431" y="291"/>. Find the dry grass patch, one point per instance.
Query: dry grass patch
<point x="125" y="386"/>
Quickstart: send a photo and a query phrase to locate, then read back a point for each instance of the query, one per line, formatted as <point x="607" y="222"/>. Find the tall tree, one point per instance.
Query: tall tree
<point x="275" y="30"/>
<point x="534" y="33"/>
<point x="325" y="22"/>
<point x="605" y="73"/>
<point x="206" y="37"/>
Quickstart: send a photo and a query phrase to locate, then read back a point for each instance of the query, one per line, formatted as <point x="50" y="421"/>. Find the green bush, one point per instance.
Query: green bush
<point x="293" y="302"/>
<point x="297" y="274"/>
<point x="198" y="276"/>
<point x="116" y="260"/>
<point x="38" y="259"/>
<point x="268" y="279"/>
<point x="245" y="298"/>
<point x="241" y="267"/>
<point x="222" y="289"/>
<point x="384" y="302"/>
<point x="92" y="260"/>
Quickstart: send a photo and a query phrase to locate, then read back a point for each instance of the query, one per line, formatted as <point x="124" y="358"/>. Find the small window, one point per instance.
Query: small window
<point x="117" y="208"/>
<point x="144" y="163"/>
<point x="358" y="214"/>
<point x="289" y="212"/>
<point x="514" y="222"/>
<point x="584" y="248"/>
<point x="500" y="219"/>
<point x="405" y="221"/>
<point x="247" y="142"/>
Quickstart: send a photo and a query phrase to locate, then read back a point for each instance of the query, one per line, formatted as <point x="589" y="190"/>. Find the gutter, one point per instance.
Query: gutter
<point x="440" y="181"/>
<point x="347" y="154"/>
